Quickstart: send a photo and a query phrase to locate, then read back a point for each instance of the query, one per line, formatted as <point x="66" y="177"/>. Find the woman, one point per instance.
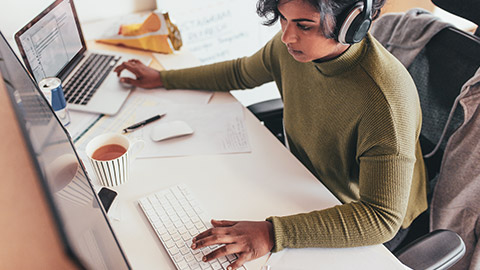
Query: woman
<point x="351" y="115"/>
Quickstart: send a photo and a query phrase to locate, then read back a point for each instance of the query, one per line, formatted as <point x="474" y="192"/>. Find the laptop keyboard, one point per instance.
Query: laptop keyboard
<point x="86" y="80"/>
<point x="177" y="217"/>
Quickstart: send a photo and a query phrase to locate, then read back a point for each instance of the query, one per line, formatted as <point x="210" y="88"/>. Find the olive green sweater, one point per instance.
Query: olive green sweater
<point x="354" y="122"/>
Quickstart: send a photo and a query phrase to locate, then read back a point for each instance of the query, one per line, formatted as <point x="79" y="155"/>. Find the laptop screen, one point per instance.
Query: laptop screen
<point x="81" y="221"/>
<point x="51" y="40"/>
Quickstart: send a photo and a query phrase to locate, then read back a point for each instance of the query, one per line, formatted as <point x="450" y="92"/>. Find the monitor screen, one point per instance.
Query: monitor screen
<point x="51" y="40"/>
<point x="81" y="220"/>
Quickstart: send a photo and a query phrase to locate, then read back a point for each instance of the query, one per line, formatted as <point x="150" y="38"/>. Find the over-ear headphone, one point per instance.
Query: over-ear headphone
<point x="353" y="23"/>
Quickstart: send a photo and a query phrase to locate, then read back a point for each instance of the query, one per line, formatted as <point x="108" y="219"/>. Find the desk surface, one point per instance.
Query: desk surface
<point x="249" y="186"/>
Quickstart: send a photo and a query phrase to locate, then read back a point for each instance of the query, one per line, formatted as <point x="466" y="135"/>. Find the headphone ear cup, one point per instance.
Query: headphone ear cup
<point x="358" y="30"/>
<point x="353" y="25"/>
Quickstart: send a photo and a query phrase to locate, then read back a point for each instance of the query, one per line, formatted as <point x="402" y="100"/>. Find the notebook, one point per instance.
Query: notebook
<point x="52" y="44"/>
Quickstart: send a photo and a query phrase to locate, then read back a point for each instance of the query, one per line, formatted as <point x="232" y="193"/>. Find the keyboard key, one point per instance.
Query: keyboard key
<point x="176" y="236"/>
<point x="189" y="225"/>
<point x="216" y="266"/>
<point x="180" y="243"/>
<point x="186" y="236"/>
<point x="170" y="243"/>
<point x="194" y="264"/>
<point x="189" y="257"/>
<point x="205" y="265"/>
<point x="183" y="265"/>
<point x="193" y="231"/>
<point x="178" y="257"/>
<point x="231" y="257"/>
<point x="165" y="236"/>
<point x="174" y="250"/>
<point x="184" y="250"/>
<point x="199" y="256"/>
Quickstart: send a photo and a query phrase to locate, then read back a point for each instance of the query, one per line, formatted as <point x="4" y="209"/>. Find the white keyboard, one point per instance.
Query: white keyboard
<point x="176" y="218"/>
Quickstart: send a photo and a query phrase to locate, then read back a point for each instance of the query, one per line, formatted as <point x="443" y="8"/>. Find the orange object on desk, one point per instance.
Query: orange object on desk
<point x="156" y="33"/>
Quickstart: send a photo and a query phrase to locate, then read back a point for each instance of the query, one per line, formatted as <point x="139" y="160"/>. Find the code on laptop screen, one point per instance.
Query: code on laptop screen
<point x="52" y="41"/>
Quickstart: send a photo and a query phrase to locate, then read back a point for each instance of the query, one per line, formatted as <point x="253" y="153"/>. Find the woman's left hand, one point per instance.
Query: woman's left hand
<point x="248" y="239"/>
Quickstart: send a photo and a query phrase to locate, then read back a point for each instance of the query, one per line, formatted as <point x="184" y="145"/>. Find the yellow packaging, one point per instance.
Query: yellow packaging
<point x="156" y="33"/>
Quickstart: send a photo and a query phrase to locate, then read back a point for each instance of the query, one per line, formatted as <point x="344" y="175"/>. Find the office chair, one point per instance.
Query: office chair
<point x="449" y="59"/>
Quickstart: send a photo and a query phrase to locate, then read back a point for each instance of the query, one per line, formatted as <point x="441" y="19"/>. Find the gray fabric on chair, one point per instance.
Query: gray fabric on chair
<point x="456" y="198"/>
<point x="406" y="34"/>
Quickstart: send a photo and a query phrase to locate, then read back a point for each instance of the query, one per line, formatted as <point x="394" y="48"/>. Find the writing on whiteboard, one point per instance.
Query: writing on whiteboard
<point x="217" y="30"/>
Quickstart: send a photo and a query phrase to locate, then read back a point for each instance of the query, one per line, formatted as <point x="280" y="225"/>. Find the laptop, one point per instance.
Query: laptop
<point x="52" y="44"/>
<point x="81" y="221"/>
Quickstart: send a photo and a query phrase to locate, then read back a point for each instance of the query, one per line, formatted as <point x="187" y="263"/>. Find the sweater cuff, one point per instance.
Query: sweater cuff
<point x="164" y="77"/>
<point x="278" y="234"/>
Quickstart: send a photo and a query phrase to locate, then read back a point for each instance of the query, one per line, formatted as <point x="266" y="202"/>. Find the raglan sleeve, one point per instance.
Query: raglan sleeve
<point x="386" y="160"/>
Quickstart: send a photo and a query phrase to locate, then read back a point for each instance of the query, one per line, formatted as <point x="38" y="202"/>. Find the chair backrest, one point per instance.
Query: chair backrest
<point x="449" y="59"/>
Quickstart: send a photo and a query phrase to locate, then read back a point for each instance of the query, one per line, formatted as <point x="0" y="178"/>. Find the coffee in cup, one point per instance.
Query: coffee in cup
<point x="109" y="152"/>
<point x="110" y="155"/>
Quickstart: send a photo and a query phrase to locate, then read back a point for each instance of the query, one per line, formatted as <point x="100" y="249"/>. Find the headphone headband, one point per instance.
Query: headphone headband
<point x="354" y="22"/>
<point x="367" y="9"/>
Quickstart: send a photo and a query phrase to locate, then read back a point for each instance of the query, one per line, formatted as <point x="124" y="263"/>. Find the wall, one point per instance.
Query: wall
<point x="403" y="5"/>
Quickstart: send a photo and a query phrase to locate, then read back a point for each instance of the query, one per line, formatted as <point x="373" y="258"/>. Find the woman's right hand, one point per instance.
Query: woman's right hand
<point x="146" y="77"/>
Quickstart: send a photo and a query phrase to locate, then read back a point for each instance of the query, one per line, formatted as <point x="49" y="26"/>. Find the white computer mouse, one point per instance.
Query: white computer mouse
<point x="127" y="74"/>
<point x="166" y="130"/>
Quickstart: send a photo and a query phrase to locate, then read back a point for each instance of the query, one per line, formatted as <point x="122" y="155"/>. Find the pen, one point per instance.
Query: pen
<point x="143" y="123"/>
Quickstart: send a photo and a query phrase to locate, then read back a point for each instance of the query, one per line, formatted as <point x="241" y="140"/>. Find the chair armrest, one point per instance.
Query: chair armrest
<point x="270" y="109"/>
<point x="439" y="249"/>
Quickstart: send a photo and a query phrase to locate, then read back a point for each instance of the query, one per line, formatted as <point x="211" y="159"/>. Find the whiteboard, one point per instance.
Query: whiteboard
<point x="216" y="30"/>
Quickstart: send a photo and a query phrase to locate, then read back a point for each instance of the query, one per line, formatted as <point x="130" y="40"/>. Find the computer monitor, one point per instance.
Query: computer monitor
<point x="81" y="220"/>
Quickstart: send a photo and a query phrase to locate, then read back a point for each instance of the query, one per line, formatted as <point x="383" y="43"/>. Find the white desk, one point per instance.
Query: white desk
<point x="268" y="181"/>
